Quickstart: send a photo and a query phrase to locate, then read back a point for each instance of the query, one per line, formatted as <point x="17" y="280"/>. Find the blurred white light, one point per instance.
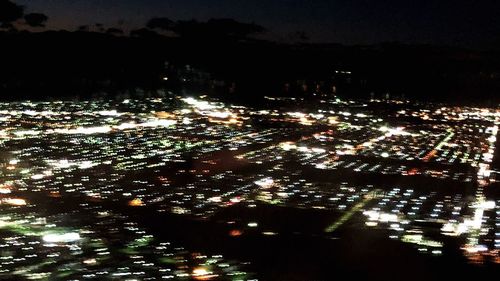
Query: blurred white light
<point x="58" y="238"/>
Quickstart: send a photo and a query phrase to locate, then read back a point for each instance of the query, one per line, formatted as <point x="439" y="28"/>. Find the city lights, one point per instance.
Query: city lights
<point x="201" y="160"/>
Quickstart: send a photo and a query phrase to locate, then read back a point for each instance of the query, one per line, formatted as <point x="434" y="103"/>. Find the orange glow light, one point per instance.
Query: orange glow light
<point x="235" y="233"/>
<point x="135" y="202"/>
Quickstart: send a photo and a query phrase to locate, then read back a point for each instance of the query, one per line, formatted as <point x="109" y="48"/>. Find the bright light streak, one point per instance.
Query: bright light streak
<point x="219" y="114"/>
<point x="58" y="238"/>
<point x="159" y="123"/>
<point x="15" y="201"/>
<point x="85" y="130"/>
<point x="4" y="190"/>
<point x="109" y="113"/>
<point x="201" y="105"/>
<point x="265" y="182"/>
<point x="288" y="146"/>
<point x="37" y="177"/>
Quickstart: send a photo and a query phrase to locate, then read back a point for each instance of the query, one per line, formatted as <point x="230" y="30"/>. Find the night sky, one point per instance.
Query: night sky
<point x="465" y="23"/>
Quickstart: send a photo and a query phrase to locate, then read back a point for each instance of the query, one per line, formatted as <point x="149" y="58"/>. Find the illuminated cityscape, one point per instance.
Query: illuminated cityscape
<point x="85" y="184"/>
<point x="235" y="140"/>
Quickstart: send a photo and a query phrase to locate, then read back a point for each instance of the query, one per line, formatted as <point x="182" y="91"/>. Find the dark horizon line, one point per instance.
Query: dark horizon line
<point x="267" y="40"/>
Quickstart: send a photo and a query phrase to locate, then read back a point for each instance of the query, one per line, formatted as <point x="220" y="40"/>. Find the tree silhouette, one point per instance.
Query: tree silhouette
<point x="190" y="28"/>
<point x="233" y="28"/>
<point x="299" y="36"/>
<point x="114" y="31"/>
<point x="36" y="19"/>
<point x="160" y="23"/>
<point x="100" y="27"/>
<point x="143" y="33"/>
<point x="83" y="28"/>
<point x="10" y="12"/>
<point x="213" y="28"/>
